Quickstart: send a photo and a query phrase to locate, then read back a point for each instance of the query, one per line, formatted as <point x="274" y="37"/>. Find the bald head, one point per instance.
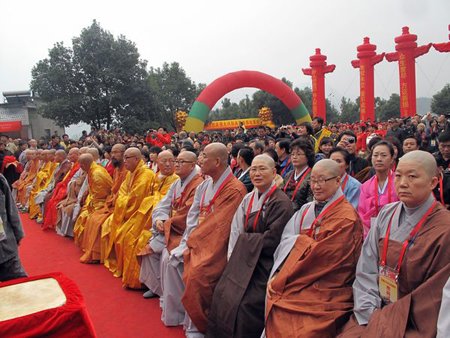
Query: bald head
<point x="60" y="155"/>
<point x="83" y="150"/>
<point x="132" y="157"/>
<point x="266" y="159"/>
<point x="218" y="150"/>
<point x="74" y="153"/>
<point x="188" y="156"/>
<point x="166" y="162"/>
<point x="423" y="159"/>
<point x="118" y="147"/>
<point x="94" y="152"/>
<point x="86" y="161"/>
<point x="329" y="166"/>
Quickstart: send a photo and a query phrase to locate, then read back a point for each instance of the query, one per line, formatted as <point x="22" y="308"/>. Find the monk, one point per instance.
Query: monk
<point x="91" y="243"/>
<point x="42" y="157"/>
<point x="99" y="188"/>
<point x="203" y="248"/>
<point x="132" y="192"/>
<point x="44" y="194"/>
<point x="27" y="154"/>
<point x="238" y="304"/>
<point x="138" y="235"/>
<point x="309" y="293"/>
<point x="43" y="179"/>
<point x="60" y="191"/>
<point x="169" y="223"/>
<point x="27" y="180"/>
<point x="404" y="262"/>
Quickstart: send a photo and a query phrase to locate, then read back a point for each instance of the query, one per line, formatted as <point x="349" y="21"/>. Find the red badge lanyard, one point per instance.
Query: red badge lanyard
<point x="249" y="209"/>
<point x="287" y="164"/>
<point x="211" y="202"/>
<point x="345" y="183"/>
<point x="298" y="184"/>
<point x="441" y="189"/>
<point x="406" y="242"/>
<point x="313" y="225"/>
<point x="377" y="208"/>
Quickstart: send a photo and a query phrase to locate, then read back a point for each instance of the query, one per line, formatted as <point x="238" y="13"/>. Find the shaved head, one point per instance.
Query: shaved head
<point x="83" y="150"/>
<point x="166" y="162"/>
<point x="422" y="158"/>
<point x="133" y="152"/>
<point x="60" y="155"/>
<point x="267" y="159"/>
<point x="329" y="166"/>
<point x="218" y="150"/>
<point x="132" y="158"/>
<point x="94" y="152"/>
<point x="188" y="156"/>
<point x="118" y="147"/>
<point x="85" y="161"/>
<point x="74" y="153"/>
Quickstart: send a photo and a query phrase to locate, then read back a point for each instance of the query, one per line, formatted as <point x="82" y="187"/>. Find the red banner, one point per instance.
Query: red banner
<point x="10" y="126"/>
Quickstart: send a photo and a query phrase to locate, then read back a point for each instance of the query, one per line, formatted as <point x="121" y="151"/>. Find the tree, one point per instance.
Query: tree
<point x="440" y="103"/>
<point x="389" y="109"/>
<point x="349" y="110"/>
<point x="100" y="81"/>
<point x="173" y="91"/>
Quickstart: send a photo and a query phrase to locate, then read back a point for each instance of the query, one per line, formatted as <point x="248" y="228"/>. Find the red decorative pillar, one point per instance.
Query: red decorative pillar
<point x="443" y="47"/>
<point x="406" y="53"/>
<point x="368" y="58"/>
<point x="317" y="71"/>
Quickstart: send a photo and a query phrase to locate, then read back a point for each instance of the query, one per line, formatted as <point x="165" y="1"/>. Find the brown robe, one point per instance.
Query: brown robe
<point x="237" y="308"/>
<point x="425" y="270"/>
<point x="67" y="205"/>
<point x="206" y="256"/>
<point x="314" y="295"/>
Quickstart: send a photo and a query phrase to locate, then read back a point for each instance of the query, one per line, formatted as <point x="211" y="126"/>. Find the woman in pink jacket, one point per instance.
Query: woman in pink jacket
<point x="379" y="190"/>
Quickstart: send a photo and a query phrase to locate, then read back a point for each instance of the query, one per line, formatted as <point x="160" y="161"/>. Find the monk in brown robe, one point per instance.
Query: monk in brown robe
<point x="205" y="241"/>
<point x="60" y="191"/>
<point x="91" y="243"/>
<point x="23" y="184"/>
<point x="238" y="303"/>
<point x="399" y="295"/>
<point x="309" y="293"/>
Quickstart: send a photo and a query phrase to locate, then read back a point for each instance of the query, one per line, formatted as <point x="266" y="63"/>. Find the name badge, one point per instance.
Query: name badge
<point x="388" y="284"/>
<point x="173" y="213"/>
<point x="202" y="215"/>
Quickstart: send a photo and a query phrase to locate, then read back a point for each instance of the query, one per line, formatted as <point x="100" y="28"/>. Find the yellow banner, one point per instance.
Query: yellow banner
<point x="232" y="124"/>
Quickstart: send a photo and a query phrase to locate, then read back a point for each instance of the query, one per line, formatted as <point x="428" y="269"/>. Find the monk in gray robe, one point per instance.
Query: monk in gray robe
<point x="404" y="262"/>
<point x="237" y="309"/>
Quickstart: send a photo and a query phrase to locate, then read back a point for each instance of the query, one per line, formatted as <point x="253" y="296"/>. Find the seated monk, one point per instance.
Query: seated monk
<point x="43" y="179"/>
<point x="139" y="233"/>
<point x="91" y="243"/>
<point x="238" y="304"/>
<point x="132" y="192"/>
<point x="26" y="170"/>
<point x="404" y="262"/>
<point x="54" y="197"/>
<point x="169" y="223"/>
<point x="28" y="179"/>
<point x="61" y="170"/>
<point x="75" y="190"/>
<point x="203" y="248"/>
<point x="99" y="188"/>
<point x="309" y="293"/>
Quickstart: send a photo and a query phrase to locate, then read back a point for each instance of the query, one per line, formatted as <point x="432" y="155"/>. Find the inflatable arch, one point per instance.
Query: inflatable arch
<point x="245" y="78"/>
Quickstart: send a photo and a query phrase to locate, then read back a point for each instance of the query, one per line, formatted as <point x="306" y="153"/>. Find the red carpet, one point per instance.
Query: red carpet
<point x="115" y="312"/>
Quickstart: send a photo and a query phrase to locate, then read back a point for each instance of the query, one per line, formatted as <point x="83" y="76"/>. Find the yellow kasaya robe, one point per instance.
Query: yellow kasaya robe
<point x="91" y="243"/>
<point x="28" y="180"/>
<point x="133" y="190"/>
<point x="43" y="179"/>
<point x="99" y="185"/>
<point x="139" y="234"/>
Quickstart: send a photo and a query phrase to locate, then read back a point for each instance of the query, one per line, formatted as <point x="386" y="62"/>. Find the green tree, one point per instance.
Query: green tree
<point x="349" y="110"/>
<point x="440" y="103"/>
<point x="100" y="81"/>
<point x="173" y="91"/>
<point x="390" y="108"/>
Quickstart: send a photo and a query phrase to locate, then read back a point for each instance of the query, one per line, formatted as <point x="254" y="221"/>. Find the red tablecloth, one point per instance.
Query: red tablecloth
<point x="69" y="320"/>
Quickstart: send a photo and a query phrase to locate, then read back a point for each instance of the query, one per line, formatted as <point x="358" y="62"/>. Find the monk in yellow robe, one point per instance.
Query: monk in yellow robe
<point x="43" y="179"/>
<point x="132" y="192"/>
<point x="27" y="181"/>
<point x="139" y="234"/>
<point x="17" y="185"/>
<point x="91" y="243"/>
<point x="99" y="188"/>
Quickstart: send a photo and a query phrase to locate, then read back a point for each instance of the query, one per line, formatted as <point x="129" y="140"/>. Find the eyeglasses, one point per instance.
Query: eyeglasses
<point x="321" y="181"/>
<point x="181" y="162"/>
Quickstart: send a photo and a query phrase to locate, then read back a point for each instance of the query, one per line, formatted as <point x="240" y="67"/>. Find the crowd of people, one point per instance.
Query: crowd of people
<point x="302" y="231"/>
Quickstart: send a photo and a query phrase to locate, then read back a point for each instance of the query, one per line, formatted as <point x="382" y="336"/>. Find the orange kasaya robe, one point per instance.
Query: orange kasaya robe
<point x="60" y="192"/>
<point x="138" y="235"/>
<point x="99" y="185"/>
<point x="90" y="243"/>
<point x="43" y="179"/>
<point x="132" y="192"/>
<point x="27" y="181"/>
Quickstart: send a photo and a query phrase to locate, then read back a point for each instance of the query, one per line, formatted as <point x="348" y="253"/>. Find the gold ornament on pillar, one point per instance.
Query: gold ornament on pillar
<point x="180" y="119"/>
<point x="265" y="115"/>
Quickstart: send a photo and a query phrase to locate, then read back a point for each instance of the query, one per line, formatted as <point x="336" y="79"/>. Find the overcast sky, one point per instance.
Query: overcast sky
<point x="212" y="38"/>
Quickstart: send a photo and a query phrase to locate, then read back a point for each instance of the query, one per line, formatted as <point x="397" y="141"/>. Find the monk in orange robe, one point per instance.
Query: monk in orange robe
<point x="99" y="183"/>
<point x="91" y="241"/>
<point x="26" y="171"/>
<point x="132" y="192"/>
<point x="139" y="233"/>
<point x="60" y="191"/>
